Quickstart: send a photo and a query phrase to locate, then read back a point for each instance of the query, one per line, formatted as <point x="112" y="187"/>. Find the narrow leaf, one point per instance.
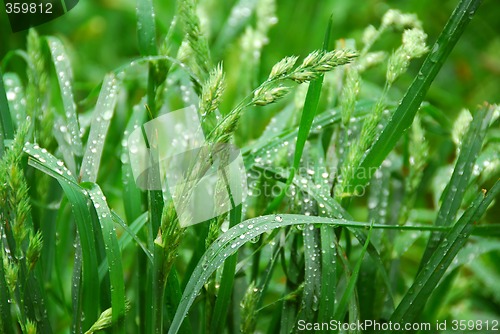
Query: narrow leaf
<point x="64" y="77"/>
<point x="103" y="113"/>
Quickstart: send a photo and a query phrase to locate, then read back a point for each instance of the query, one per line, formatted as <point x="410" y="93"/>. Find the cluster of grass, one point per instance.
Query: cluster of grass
<point x="352" y="212"/>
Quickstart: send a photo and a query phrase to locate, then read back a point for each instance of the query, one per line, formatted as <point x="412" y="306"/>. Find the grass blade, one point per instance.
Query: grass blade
<point x="132" y="197"/>
<point x="16" y="98"/>
<point x="471" y="145"/>
<point x="7" y="131"/>
<point x="100" y="123"/>
<point x="415" y="299"/>
<point x="455" y="190"/>
<point x="312" y="274"/>
<point x="64" y="78"/>
<point x="227" y="280"/>
<point x="329" y="274"/>
<point x="404" y="114"/>
<point x="146" y="28"/>
<point x="113" y="255"/>
<point x="88" y="293"/>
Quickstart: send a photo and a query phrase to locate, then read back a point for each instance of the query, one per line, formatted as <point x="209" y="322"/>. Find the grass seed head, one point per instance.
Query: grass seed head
<point x="397" y="19"/>
<point x="369" y="35"/>
<point x="30" y="327"/>
<point x="11" y="271"/>
<point x="212" y="91"/>
<point x="414" y="42"/>
<point x="266" y="95"/>
<point x="413" y="46"/>
<point x="282" y="68"/>
<point x="34" y="249"/>
<point x="248" y="309"/>
<point x="319" y="62"/>
<point x="195" y="38"/>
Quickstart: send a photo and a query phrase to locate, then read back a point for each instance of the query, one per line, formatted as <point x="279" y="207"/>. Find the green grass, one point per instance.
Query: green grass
<point x="368" y="199"/>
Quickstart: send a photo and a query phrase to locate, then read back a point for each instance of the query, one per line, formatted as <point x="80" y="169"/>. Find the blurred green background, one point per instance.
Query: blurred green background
<point x="101" y="36"/>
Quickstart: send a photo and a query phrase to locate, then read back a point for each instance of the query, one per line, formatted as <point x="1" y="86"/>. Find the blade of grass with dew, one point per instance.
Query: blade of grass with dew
<point x="414" y="300"/>
<point x="329" y="276"/>
<point x="66" y="248"/>
<point x="327" y="259"/>
<point x="64" y="78"/>
<point x="455" y="189"/>
<point x="146" y="35"/>
<point x="5" y="116"/>
<point x="308" y="114"/>
<point x="158" y="274"/>
<point x="403" y="116"/>
<point x="132" y="196"/>
<point x="103" y="113"/>
<point x="314" y="249"/>
<point x="113" y="255"/>
<point x="227" y="280"/>
<point x="7" y="130"/>
<point x="87" y="294"/>
<point x="132" y="200"/>
<point x="201" y="231"/>
<point x="349" y="292"/>
<point x="312" y="274"/>
<point x="60" y="132"/>
<point x="146" y="28"/>
<point x="16" y="97"/>
<point x="228" y="243"/>
<point x="85" y="309"/>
